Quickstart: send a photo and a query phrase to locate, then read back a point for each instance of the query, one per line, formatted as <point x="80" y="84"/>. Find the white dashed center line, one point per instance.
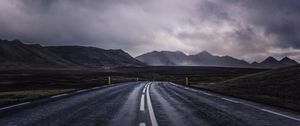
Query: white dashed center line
<point x="142" y="124"/>
<point x="144" y="89"/>
<point x="142" y="105"/>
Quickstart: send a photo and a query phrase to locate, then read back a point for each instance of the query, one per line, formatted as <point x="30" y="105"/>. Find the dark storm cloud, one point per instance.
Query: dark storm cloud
<point x="248" y="29"/>
<point x="279" y="18"/>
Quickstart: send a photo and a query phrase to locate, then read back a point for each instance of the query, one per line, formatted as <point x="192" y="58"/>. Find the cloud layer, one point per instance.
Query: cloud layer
<point x="247" y="29"/>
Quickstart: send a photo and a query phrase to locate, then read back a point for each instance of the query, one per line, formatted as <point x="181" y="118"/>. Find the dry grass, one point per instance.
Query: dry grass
<point x="20" y="96"/>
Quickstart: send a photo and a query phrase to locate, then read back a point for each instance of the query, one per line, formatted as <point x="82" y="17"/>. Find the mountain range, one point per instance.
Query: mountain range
<point x="168" y="58"/>
<point x="16" y="55"/>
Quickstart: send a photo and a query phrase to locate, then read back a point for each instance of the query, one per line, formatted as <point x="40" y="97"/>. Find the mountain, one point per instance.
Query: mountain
<point x="15" y="54"/>
<point x="163" y="58"/>
<point x="271" y="62"/>
<point x="288" y="62"/>
<point x="167" y="58"/>
<point x="92" y="57"/>
<point x="206" y="59"/>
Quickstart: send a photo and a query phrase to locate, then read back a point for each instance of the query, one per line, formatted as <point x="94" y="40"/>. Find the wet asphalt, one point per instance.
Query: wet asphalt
<point x="145" y="104"/>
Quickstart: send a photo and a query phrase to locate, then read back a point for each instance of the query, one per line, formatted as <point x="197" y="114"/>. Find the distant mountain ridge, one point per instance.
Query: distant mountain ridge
<point x="94" y="57"/>
<point x="271" y="62"/>
<point x="168" y="58"/>
<point x="16" y="55"/>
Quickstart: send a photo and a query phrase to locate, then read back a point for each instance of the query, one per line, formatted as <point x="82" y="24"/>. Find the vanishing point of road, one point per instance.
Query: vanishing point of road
<point x="145" y="104"/>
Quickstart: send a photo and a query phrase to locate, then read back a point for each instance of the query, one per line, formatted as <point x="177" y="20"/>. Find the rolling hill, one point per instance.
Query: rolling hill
<point x="16" y="55"/>
<point x="92" y="57"/>
<point x="280" y="87"/>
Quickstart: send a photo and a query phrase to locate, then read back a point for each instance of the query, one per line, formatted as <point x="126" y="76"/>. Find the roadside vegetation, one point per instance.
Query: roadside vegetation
<point x="22" y="85"/>
<point x="279" y="87"/>
<point x="21" y="96"/>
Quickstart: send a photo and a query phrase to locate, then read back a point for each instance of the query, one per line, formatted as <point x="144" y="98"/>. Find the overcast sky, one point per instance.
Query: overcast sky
<point x="246" y="29"/>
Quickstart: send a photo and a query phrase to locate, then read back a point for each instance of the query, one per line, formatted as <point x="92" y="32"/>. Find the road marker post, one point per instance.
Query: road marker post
<point x="187" y="81"/>
<point x="109" y="80"/>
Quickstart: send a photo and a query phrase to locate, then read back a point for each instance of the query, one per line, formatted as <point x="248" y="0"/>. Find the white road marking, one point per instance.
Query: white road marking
<point x="142" y="124"/>
<point x="230" y="100"/>
<point x="82" y="90"/>
<point x="142" y="105"/>
<point x="249" y="105"/>
<point x="150" y="108"/>
<point x="56" y="96"/>
<point x="173" y="84"/>
<point x="283" y="115"/>
<point x="12" y="106"/>
<point x="207" y="93"/>
<point x="144" y="89"/>
<point x="194" y="90"/>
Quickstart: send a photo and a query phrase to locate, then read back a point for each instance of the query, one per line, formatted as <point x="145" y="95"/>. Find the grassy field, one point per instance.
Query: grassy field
<point x="11" y="97"/>
<point x="280" y="87"/>
<point x="22" y="85"/>
<point x="19" y="86"/>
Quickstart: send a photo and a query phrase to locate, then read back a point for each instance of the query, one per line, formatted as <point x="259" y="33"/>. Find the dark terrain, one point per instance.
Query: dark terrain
<point x="279" y="87"/>
<point x="17" y="55"/>
<point x="41" y="80"/>
<point x="91" y="57"/>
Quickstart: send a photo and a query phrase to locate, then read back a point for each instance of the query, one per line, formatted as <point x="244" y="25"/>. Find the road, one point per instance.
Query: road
<point x="145" y="104"/>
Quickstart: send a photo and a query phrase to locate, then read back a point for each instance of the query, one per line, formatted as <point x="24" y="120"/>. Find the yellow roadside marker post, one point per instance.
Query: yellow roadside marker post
<point x="109" y="80"/>
<point x="187" y="81"/>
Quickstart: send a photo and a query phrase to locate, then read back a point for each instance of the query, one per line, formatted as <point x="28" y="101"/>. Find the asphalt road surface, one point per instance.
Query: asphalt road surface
<point x="144" y="104"/>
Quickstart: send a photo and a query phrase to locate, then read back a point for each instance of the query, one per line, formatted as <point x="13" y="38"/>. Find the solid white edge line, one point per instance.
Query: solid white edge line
<point x="142" y="104"/>
<point x="283" y="115"/>
<point x="82" y="90"/>
<point x="142" y="124"/>
<point x="150" y="108"/>
<point x="24" y="103"/>
<point x="230" y="100"/>
<point x="56" y="96"/>
<point x="207" y="93"/>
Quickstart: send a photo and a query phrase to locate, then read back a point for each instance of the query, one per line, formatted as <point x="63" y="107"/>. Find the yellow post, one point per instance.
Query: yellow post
<point x="109" y="80"/>
<point x="187" y="81"/>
